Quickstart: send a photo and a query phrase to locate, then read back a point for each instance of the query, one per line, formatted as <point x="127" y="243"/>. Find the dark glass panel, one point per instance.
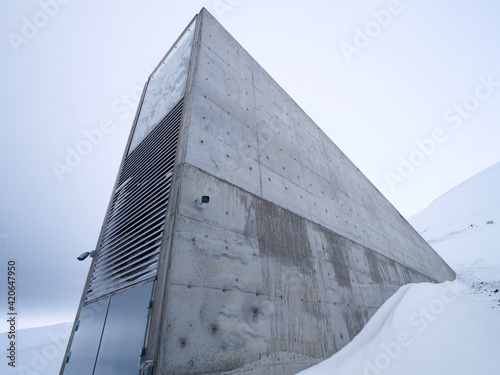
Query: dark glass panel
<point x="124" y="332"/>
<point x="86" y="339"/>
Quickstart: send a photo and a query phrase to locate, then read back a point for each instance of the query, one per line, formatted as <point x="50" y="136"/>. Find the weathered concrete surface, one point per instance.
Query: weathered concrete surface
<point x="296" y="249"/>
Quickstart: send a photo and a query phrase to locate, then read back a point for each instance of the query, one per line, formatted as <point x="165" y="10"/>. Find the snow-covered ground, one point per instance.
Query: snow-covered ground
<point x="448" y="328"/>
<point x="456" y="226"/>
<point x="40" y="350"/>
<point x="424" y="329"/>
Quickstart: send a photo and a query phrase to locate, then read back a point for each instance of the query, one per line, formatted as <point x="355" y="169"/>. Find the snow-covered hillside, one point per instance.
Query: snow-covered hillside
<point x="463" y="226"/>
<point x="474" y="202"/>
<point x="40" y="350"/>
<point x="449" y="328"/>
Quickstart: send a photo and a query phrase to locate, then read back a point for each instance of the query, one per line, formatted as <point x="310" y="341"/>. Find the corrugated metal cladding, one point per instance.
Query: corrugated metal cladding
<point x="132" y="237"/>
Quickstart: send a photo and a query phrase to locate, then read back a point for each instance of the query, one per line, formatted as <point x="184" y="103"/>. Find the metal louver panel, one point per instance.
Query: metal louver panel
<point x="132" y="236"/>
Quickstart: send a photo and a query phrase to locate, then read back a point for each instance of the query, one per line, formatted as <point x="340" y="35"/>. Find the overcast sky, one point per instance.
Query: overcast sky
<point x="409" y="90"/>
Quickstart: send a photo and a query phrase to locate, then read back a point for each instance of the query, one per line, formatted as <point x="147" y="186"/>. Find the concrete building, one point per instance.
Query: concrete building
<point x="291" y="256"/>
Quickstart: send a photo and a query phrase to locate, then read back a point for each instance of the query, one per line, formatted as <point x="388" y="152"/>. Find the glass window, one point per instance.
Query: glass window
<point x="86" y="338"/>
<point x="165" y="87"/>
<point x="124" y="332"/>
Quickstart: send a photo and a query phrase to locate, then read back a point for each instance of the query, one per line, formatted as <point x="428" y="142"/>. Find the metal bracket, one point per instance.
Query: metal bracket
<point x="142" y="357"/>
<point x="150" y="308"/>
<point x="147" y="367"/>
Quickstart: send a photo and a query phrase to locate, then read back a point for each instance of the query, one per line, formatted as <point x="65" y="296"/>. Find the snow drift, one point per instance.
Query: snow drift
<point x="448" y="328"/>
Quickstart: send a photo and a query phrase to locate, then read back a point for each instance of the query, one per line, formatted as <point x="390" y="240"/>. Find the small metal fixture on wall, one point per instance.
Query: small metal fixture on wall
<point x="201" y="203"/>
<point x="86" y="254"/>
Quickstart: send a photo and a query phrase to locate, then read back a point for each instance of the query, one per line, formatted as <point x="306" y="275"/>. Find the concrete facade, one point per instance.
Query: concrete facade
<point x="296" y="249"/>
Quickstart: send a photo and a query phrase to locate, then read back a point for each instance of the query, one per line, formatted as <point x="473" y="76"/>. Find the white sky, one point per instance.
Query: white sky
<point x="86" y="59"/>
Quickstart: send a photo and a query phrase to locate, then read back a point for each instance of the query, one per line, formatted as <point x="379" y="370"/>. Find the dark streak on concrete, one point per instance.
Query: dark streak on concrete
<point x="373" y="266"/>
<point x="282" y="235"/>
<point x="336" y="247"/>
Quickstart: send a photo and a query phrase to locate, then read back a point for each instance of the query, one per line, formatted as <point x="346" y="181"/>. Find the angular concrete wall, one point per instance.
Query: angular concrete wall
<point x="296" y="249"/>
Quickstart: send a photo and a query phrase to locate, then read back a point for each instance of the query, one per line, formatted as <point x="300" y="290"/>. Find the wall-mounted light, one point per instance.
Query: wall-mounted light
<point x="85" y="255"/>
<point x="201" y="203"/>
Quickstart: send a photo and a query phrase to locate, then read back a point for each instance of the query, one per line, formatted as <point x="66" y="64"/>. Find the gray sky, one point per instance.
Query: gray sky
<point x="379" y="77"/>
